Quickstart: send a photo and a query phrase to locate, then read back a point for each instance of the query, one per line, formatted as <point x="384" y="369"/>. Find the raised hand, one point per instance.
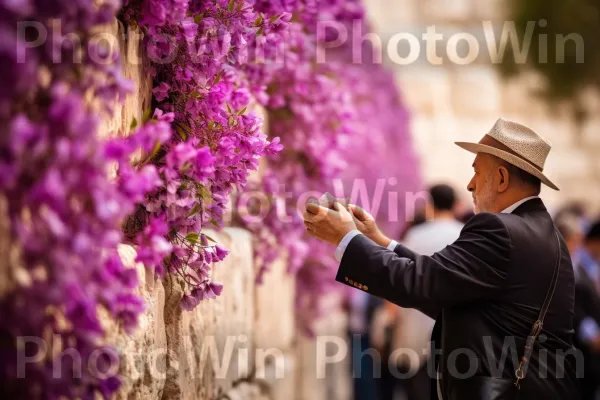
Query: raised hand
<point x="329" y="225"/>
<point x="366" y="224"/>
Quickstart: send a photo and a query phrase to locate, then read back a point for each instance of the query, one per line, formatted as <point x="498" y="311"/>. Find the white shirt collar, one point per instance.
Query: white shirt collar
<point x="512" y="208"/>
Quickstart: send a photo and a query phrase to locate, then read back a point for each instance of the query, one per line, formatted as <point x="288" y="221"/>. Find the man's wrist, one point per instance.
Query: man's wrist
<point x="381" y="239"/>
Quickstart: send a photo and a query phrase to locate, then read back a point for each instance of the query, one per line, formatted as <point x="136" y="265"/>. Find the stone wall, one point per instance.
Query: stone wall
<point x="242" y="345"/>
<point x="452" y="102"/>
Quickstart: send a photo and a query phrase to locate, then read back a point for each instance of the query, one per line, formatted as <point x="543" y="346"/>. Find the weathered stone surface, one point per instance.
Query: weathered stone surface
<point x="440" y="10"/>
<point x="274" y="309"/>
<point x="518" y="96"/>
<point x="246" y="391"/>
<point x="590" y="134"/>
<point x="142" y="353"/>
<point x="135" y="68"/>
<point x="323" y="362"/>
<point x="211" y="347"/>
<point x="427" y="90"/>
<point x="476" y="91"/>
<point x="489" y="9"/>
<point x="278" y="375"/>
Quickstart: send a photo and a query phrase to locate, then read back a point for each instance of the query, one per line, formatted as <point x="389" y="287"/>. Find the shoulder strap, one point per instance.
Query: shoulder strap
<point x="537" y="326"/>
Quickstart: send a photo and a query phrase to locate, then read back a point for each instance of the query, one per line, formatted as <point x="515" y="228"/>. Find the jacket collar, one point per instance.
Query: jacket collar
<point x="535" y="204"/>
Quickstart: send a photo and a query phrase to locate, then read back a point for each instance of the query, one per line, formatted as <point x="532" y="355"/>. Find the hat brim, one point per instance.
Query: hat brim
<point x="510" y="158"/>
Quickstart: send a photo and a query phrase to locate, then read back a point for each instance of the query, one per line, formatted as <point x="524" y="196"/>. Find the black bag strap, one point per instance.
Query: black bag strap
<point x="537" y="326"/>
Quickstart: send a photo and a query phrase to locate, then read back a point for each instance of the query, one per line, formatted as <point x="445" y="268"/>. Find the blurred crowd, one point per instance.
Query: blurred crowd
<point x="390" y="344"/>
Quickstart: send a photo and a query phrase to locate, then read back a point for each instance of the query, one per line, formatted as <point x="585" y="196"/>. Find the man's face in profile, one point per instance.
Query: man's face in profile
<point x="481" y="185"/>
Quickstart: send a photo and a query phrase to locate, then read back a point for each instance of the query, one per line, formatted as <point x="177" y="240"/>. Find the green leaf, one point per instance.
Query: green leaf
<point x="194" y="210"/>
<point x="209" y="238"/>
<point x="181" y="132"/>
<point x="198" y="18"/>
<point x="155" y="149"/>
<point x="204" y="194"/>
<point x="228" y="108"/>
<point x="231" y="5"/>
<point x="214" y="223"/>
<point x="243" y="110"/>
<point x="192" y="237"/>
<point x="258" y="20"/>
<point x="260" y="31"/>
<point x="273" y="18"/>
<point x="146" y="116"/>
<point x="134" y="124"/>
<point x="240" y="5"/>
<point x="218" y="77"/>
<point x="184" y="169"/>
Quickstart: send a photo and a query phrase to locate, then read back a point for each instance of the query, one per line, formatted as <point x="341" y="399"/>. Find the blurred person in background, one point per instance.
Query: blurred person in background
<point x="406" y="329"/>
<point x="365" y="363"/>
<point x="587" y="298"/>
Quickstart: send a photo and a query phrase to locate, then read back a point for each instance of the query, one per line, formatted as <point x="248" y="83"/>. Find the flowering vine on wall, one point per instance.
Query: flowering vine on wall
<point x="212" y="61"/>
<point x="65" y="213"/>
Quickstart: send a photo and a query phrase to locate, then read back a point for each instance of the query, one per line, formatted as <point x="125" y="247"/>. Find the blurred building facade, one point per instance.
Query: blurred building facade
<point x="459" y="96"/>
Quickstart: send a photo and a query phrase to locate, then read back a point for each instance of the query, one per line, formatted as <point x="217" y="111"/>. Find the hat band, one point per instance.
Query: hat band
<point x="490" y="141"/>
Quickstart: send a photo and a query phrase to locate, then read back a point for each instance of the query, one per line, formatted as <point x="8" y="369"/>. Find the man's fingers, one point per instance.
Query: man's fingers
<point x="315" y="212"/>
<point x="344" y="214"/>
<point x="316" y="209"/>
<point x="360" y="213"/>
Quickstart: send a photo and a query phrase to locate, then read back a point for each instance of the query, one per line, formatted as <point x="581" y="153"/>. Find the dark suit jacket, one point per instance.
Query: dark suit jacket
<point x="486" y="290"/>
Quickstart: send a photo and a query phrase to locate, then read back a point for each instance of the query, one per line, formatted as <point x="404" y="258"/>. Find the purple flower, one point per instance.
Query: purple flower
<point x="181" y="154"/>
<point x="190" y="29"/>
<point x="161" y="92"/>
<point x="127" y="307"/>
<point x="213" y="289"/>
<point x="274" y="147"/>
<point x="189" y="302"/>
<point x="220" y="253"/>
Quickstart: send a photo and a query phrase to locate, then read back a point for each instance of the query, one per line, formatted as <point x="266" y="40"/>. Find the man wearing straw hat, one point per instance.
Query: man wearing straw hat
<point x="502" y="294"/>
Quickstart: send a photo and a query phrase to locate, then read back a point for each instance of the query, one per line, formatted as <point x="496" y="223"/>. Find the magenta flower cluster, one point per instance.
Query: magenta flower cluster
<point x="199" y="50"/>
<point x="338" y="121"/>
<point x="65" y="212"/>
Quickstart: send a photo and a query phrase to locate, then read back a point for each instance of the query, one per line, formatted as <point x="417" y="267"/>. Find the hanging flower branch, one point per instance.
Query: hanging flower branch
<point x="65" y="212"/>
<point x="198" y="49"/>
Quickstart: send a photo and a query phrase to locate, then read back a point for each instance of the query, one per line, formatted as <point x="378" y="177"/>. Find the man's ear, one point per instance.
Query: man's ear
<point x="504" y="179"/>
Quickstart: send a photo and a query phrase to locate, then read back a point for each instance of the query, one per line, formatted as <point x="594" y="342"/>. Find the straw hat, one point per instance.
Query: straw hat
<point x="517" y="144"/>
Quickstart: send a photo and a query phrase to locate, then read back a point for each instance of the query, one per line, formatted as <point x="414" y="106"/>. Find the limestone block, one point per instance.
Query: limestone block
<point x="485" y="10"/>
<point x="278" y="376"/>
<point x="519" y="96"/>
<point x="142" y="353"/>
<point x="590" y="134"/>
<point x="275" y="309"/>
<point x="476" y="90"/>
<point x="317" y="378"/>
<point x="391" y="14"/>
<point x="246" y="391"/>
<point x="567" y="163"/>
<point x="211" y="347"/>
<point x="590" y="99"/>
<point x="426" y="89"/>
<point x="560" y="132"/>
<point x="421" y="130"/>
<point x="127" y="42"/>
<point x="440" y="10"/>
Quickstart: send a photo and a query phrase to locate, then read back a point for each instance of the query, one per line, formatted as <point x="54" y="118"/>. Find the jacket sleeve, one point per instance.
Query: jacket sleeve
<point x="471" y="268"/>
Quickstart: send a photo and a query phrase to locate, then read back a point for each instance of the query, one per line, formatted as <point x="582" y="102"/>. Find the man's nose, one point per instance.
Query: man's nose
<point x="471" y="186"/>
